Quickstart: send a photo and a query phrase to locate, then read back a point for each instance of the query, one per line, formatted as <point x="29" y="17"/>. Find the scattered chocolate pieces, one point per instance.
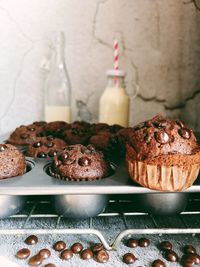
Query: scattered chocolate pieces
<point x="143" y="242"/>
<point x="66" y="254"/>
<point x="132" y="243"/>
<point x="31" y="240"/>
<point x="44" y="253"/>
<point x="86" y="254"/>
<point x="158" y="263"/>
<point x="171" y="255"/>
<point x="59" y="245"/>
<point x="76" y="248"/>
<point x="185" y="133"/>
<point x="129" y="258"/>
<point x="102" y="256"/>
<point x="23" y="253"/>
<point x="97" y="247"/>
<point x="189" y="249"/>
<point x="35" y="260"/>
<point x="165" y="245"/>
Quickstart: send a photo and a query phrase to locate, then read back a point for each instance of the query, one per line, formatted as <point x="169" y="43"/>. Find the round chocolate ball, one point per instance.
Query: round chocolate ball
<point x="23" y="253"/>
<point x="59" y="245"/>
<point x="66" y="254"/>
<point x="35" y="260"/>
<point x="102" y="256"/>
<point x="44" y="253"/>
<point x="165" y="245"/>
<point x="97" y="247"/>
<point x="129" y="258"/>
<point x="171" y="255"/>
<point x="76" y="248"/>
<point x="132" y="243"/>
<point x="86" y="254"/>
<point x="143" y="242"/>
<point x="31" y="240"/>
<point x="158" y="263"/>
<point x="189" y="249"/>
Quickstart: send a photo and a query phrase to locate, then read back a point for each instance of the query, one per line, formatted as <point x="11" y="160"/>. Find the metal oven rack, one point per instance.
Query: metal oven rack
<point x="123" y="210"/>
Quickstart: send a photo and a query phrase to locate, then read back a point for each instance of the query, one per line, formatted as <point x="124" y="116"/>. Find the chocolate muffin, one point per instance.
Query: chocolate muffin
<point x="99" y="127"/>
<point x="25" y="135"/>
<point x="108" y="143"/>
<point x="44" y="147"/>
<point x="12" y="161"/>
<point x="56" y="128"/>
<point x="163" y="154"/>
<point x="79" y="163"/>
<point x="76" y="135"/>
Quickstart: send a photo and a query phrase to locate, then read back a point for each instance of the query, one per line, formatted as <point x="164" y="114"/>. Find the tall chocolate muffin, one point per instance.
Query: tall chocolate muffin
<point x="163" y="154"/>
<point x="56" y="128"/>
<point x="12" y="161"/>
<point x="79" y="163"/>
<point x="26" y="134"/>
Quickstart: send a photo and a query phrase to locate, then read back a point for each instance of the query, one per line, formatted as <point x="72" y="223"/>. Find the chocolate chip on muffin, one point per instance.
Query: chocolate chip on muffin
<point x="45" y="147"/>
<point x="79" y="163"/>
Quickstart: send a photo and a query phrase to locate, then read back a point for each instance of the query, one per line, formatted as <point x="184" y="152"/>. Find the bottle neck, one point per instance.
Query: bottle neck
<point x="114" y="81"/>
<point x="59" y="57"/>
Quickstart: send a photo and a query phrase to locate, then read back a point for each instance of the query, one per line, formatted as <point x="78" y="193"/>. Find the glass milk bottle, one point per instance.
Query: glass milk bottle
<point x="58" y="89"/>
<point x="114" y="102"/>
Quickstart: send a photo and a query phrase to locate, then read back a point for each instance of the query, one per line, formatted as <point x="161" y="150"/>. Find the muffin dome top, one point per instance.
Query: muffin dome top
<point x="160" y="136"/>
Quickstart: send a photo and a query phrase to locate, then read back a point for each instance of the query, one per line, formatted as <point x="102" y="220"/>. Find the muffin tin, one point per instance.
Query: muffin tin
<point x="37" y="181"/>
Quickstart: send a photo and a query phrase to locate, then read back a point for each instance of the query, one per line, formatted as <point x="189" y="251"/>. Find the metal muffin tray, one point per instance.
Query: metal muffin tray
<point x="37" y="181"/>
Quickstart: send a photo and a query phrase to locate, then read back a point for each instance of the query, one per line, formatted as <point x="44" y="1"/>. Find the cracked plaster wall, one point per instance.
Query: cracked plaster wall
<point x="160" y="50"/>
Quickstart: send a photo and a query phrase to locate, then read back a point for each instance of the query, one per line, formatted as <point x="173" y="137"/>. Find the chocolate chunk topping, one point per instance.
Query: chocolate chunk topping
<point x="52" y="153"/>
<point x="185" y="133"/>
<point x="50" y="138"/>
<point x="129" y="258"/>
<point x="31" y="240"/>
<point x="41" y="155"/>
<point x="23" y="253"/>
<point x="102" y="256"/>
<point x="49" y="144"/>
<point x="180" y="124"/>
<point x="162" y="137"/>
<point x="62" y="157"/>
<point x="31" y="129"/>
<point x="84" y="161"/>
<point x="68" y="161"/>
<point x="160" y="124"/>
<point x="37" y="144"/>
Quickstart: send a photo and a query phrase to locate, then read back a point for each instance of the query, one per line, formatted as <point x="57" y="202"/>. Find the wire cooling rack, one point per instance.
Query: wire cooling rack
<point x="38" y="217"/>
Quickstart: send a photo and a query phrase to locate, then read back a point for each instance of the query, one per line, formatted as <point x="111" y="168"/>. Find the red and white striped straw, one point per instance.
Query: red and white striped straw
<point x="116" y="55"/>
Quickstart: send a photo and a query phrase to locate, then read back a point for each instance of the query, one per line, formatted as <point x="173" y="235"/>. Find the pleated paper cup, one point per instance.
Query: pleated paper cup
<point x="162" y="178"/>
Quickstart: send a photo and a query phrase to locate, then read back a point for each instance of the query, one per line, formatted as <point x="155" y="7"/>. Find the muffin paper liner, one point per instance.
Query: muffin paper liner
<point x="162" y="178"/>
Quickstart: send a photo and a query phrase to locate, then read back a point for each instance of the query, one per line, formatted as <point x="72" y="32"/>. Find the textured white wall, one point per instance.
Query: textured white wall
<point x="160" y="51"/>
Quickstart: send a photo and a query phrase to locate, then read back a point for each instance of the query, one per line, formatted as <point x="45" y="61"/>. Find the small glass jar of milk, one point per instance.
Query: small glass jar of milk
<point x="114" y="102"/>
<point x="58" y="88"/>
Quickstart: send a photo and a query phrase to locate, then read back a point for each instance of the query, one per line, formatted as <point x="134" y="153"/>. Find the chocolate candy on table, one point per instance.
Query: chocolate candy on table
<point x="129" y="258"/>
<point x="23" y="253"/>
<point x="143" y="242"/>
<point x="49" y="265"/>
<point x="76" y="248"/>
<point x="59" y="245"/>
<point x="35" y="260"/>
<point x="87" y="254"/>
<point x="171" y="255"/>
<point x="97" y="247"/>
<point x="102" y="256"/>
<point x="44" y="253"/>
<point x="158" y="263"/>
<point x="66" y="254"/>
<point x="132" y="243"/>
<point x="31" y="240"/>
<point x="190" y="259"/>
<point x="165" y="245"/>
<point x="189" y="249"/>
